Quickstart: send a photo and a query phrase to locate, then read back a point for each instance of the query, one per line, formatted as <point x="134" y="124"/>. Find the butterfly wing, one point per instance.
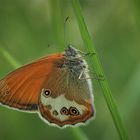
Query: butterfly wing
<point x="66" y="100"/>
<point x="21" y="88"/>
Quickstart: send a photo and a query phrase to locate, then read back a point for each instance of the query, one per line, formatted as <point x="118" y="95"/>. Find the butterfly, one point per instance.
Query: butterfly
<point x="57" y="87"/>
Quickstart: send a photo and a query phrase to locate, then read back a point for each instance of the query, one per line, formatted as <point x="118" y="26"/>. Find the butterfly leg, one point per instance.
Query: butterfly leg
<point x="86" y="54"/>
<point x="97" y="77"/>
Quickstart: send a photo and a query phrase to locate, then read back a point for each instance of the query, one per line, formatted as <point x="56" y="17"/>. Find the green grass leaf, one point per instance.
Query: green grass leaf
<point x="78" y="134"/>
<point x="14" y="63"/>
<point x="99" y="71"/>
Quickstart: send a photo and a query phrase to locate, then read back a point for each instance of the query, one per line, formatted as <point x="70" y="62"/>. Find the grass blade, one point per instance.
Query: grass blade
<point x="99" y="71"/>
<point x="14" y="63"/>
<point x="132" y="86"/>
<point x="78" y="134"/>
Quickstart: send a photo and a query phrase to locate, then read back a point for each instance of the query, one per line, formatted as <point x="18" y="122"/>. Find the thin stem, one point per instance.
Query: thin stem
<point x="99" y="71"/>
<point x="78" y="134"/>
<point x="9" y="58"/>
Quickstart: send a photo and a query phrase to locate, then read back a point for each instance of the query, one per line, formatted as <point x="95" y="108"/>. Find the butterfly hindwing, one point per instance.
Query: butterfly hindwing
<point x="66" y="100"/>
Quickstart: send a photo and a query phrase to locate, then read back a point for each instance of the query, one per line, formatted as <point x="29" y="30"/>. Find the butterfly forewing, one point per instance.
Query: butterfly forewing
<point x="21" y="88"/>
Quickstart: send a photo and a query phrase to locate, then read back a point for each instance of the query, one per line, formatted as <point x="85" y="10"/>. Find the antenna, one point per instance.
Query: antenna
<point x="65" y="21"/>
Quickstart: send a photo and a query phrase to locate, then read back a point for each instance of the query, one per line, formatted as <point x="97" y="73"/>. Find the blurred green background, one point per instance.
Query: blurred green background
<point x="30" y="29"/>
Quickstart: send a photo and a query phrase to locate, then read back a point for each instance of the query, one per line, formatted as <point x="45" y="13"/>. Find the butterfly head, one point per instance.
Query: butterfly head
<point x="71" y="52"/>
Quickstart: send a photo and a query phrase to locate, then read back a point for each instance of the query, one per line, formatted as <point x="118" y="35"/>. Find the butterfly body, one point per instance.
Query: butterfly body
<point x="56" y="86"/>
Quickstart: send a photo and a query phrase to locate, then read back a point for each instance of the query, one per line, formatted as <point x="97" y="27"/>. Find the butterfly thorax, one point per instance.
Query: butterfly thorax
<point x="74" y="62"/>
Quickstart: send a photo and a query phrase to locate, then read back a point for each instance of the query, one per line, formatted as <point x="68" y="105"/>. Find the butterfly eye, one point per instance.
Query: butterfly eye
<point x="73" y="111"/>
<point x="64" y="111"/>
<point x="46" y="92"/>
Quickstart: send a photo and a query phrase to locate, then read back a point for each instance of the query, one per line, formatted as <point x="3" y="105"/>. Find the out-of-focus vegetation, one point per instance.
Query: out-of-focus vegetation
<point x="30" y="29"/>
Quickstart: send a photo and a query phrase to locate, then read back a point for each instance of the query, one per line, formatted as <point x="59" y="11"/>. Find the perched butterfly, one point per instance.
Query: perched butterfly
<point x="57" y="87"/>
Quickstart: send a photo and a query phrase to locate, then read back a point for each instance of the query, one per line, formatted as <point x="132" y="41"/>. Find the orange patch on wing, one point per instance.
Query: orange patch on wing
<point x="22" y="88"/>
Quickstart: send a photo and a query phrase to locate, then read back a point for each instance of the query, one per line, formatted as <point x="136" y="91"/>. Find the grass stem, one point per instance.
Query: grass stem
<point x="99" y="71"/>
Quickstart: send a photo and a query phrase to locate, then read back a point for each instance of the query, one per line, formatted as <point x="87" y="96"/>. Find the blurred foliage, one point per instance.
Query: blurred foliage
<point x="30" y="29"/>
